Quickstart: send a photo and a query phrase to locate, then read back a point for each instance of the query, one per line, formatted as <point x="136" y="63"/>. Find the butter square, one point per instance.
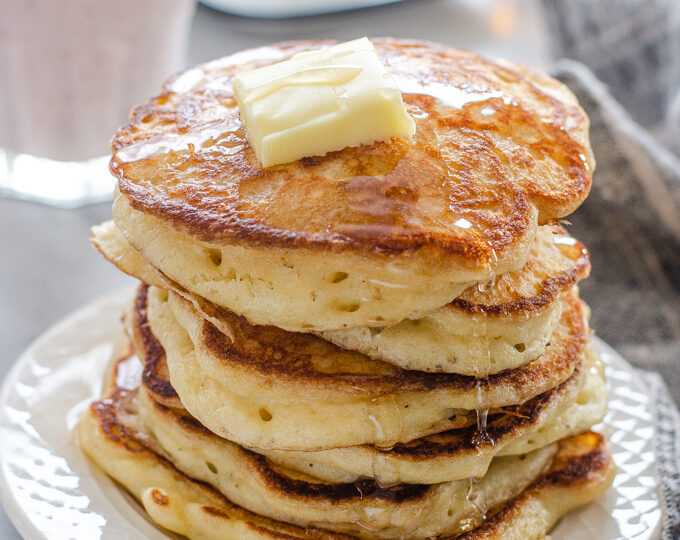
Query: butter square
<point x="320" y="101"/>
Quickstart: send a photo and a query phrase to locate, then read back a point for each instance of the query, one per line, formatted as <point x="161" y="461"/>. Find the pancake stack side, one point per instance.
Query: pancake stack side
<point x="383" y="342"/>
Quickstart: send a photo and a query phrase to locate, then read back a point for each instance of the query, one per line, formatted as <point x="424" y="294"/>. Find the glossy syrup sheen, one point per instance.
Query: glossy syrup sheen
<point x="494" y="147"/>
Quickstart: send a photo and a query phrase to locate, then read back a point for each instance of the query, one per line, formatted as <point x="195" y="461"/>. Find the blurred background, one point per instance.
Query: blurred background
<point x="627" y="76"/>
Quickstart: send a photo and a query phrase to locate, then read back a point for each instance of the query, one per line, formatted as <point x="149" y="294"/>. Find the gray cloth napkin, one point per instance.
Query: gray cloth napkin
<point x="631" y="220"/>
<point x="630" y="224"/>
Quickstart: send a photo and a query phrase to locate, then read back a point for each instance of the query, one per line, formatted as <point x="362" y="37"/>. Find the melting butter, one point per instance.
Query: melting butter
<point x="320" y="101"/>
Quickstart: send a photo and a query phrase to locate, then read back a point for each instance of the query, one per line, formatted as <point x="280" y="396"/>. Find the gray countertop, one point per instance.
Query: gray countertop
<point x="48" y="268"/>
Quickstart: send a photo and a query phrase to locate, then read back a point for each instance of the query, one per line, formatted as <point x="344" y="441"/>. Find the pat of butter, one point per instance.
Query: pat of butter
<point x="320" y="101"/>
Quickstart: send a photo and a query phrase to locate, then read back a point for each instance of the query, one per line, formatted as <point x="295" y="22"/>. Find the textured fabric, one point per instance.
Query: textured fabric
<point x="631" y="45"/>
<point x="631" y="220"/>
<point x="631" y="224"/>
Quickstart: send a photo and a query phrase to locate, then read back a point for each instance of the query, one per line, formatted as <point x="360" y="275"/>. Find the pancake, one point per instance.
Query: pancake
<point x="109" y="241"/>
<point x="403" y="510"/>
<point x="571" y="408"/>
<point x="576" y="471"/>
<point x="366" y="236"/>
<point x="567" y="410"/>
<point x="266" y="388"/>
<point x="171" y="499"/>
<point x="486" y="330"/>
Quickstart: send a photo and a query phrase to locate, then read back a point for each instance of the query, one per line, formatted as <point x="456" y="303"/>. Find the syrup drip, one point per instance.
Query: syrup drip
<point x="481" y="386"/>
<point x="378" y="427"/>
<point x="466" y="524"/>
<point x="364" y="521"/>
<point x="482" y="416"/>
<point x="569" y="246"/>
<point x="486" y="286"/>
<point x="396" y="428"/>
<point x="470" y="497"/>
<point x="388" y="423"/>
<point x="482" y="413"/>
<point x="494" y="256"/>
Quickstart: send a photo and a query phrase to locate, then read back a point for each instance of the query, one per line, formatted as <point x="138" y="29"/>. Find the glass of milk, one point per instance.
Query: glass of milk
<point x="70" y="71"/>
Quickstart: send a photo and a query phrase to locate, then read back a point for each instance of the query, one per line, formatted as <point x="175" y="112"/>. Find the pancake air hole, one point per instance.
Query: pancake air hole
<point x="338" y="277"/>
<point x="265" y="414"/>
<point x="521" y="347"/>
<point x="215" y="256"/>
<point x="211" y="467"/>
<point x="351" y="308"/>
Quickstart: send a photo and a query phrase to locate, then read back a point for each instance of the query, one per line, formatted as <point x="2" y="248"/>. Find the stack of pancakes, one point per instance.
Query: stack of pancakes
<point x="383" y="342"/>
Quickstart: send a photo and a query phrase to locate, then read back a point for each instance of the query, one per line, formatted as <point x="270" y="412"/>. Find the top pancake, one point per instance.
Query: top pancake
<point x="366" y="236"/>
<point x="496" y="148"/>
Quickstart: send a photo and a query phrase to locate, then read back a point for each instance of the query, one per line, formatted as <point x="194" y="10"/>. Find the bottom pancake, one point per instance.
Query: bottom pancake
<point x="577" y="470"/>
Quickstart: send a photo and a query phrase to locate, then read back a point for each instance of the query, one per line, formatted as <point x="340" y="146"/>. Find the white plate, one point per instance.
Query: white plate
<point x="51" y="491"/>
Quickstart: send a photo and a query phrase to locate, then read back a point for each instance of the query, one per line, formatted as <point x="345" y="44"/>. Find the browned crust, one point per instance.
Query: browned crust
<point x="502" y="424"/>
<point x="216" y="512"/>
<point x="281" y="361"/>
<point x="159" y="498"/>
<point x="276" y="356"/>
<point x="309" y="491"/>
<point x="300" y="489"/>
<point x="375" y="204"/>
<point x="106" y="411"/>
<point x="151" y="351"/>
<point x="578" y="460"/>
<point x="335" y="493"/>
<point x="572" y="466"/>
<point x="549" y="289"/>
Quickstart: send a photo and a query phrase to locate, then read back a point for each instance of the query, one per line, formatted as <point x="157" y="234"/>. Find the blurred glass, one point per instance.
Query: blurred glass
<point x="70" y="70"/>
